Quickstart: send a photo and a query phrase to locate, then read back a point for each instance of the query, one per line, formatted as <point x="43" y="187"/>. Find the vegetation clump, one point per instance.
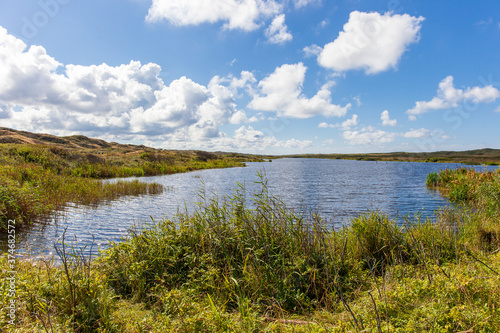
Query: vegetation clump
<point x="250" y="264"/>
<point x="41" y="173"/>
<point x="36" y="181"/>
<point x="478" y="194"/>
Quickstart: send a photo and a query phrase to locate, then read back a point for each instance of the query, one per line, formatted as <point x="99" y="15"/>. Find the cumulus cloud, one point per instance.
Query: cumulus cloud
<point x="297" y="144"/>
<point x="371" y="136"/>
<point x="26" y="75"/>
<point x="127" y="102"/>
<point x="39" y="93"/>
<point x="450" y="97"/>
<point x="368" y="136"/>
<point x="326" y="125"/>
<point x="281" y="92"/>
<point x="239" y="117"/>
<point x="248" y="137"/>
<point x="245" y="80"/>
<point x="350" y="122"/>
<point x="245" y="138"/>
<point x="312" y="50"/>
<point x="237" y="14"/>
<point x="371" y="41"/>
<point x="386" y="120"/>
<point x="185" y="103"/>
<point x="277" y="32"/>
<point x="345" y="125"/>
<point x="303" y="3"/>
<point x="417" y="134"/>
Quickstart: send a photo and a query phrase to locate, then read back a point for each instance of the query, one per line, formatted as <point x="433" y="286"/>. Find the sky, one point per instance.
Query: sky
<point x="255" y="76"/>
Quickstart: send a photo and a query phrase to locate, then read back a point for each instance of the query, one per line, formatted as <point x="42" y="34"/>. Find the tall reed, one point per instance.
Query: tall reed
<point x="249" y="263"/>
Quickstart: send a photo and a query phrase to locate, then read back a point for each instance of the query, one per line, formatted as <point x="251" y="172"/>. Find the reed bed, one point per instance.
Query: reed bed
<point x="254" y="265"/>
<point x="478" y="193"/>
<point x="38" y="180"/>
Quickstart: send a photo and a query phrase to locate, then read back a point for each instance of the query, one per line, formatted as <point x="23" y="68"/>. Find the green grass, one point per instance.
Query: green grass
<point x="258" y="266"/>
<point x="35" y="182"/>
<point x="478" y="193"/>
<point x="38" y="180"/>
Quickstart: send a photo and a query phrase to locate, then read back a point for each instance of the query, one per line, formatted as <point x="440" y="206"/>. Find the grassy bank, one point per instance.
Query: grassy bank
<point x="38" y="179"/>
<point x="478" y="194"/>
<point x="470" y="157"/>
<point x="258" y="266"/>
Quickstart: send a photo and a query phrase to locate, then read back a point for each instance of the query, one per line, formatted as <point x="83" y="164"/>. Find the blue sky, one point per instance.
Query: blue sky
<point x="258" y="76"/>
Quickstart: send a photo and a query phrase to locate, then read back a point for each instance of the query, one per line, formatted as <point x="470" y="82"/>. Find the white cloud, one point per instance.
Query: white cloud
<point x="368" y="136"/>
<point x="277" y="32"/>
<point x="417" y="134"/>
<point x="236" y="14"/>
<point x="371" y="41"/>
<point x="386" y="120"/>
<point x="104" y="100"/>
<point x="245" y="138"/>
<point x="246" y="80"/>
<point x="497" y="109"/>
<point x="350" y="122"/>
<point x="239" y="117"/>
<point x="128" y="102"/>
<point x="303" y="3"/>
<point x="281" y="92"/>
<point x="297" y="144"/>
<point x="248" y="137"/>
<point x="345" y="125"/>
<point x="449" y="97"/>
<point x="26" y="75"/>
<point x="323" y="23"/>
<point x="312" y="50"/>
<point x="326" y="125"/>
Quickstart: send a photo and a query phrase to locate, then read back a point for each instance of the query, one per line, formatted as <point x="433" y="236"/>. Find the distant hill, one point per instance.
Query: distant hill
<point x="472" y="157"/>
<point x="81" y="142"/>
<point x="8" y="135"/>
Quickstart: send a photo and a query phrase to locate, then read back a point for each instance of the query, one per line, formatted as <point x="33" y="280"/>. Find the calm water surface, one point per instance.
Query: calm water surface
<point x="338" y="189"/>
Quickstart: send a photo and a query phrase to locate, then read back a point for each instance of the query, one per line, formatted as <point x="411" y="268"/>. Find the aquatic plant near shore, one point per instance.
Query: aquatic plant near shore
<point x="29" y="193"/>
<point x="37" y="180"/>
<point x="478" y="192"/>
<point x="251" y="266"/>
<point x="228" y="247"/>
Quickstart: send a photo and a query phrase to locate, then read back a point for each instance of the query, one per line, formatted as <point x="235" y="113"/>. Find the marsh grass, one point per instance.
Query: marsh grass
<point x="30" y="193"/>
<point x="254" y="265"/>
<point x="478" y="194"/>
<point x="37" y="180"/>
<point x="281" y="262"/>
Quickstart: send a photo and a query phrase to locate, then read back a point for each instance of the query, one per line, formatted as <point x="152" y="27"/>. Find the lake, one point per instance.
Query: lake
<point x="337" y="189"/>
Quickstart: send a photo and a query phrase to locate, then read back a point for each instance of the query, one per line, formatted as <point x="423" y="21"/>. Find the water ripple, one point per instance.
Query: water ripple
<point x="338" y="189"/>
